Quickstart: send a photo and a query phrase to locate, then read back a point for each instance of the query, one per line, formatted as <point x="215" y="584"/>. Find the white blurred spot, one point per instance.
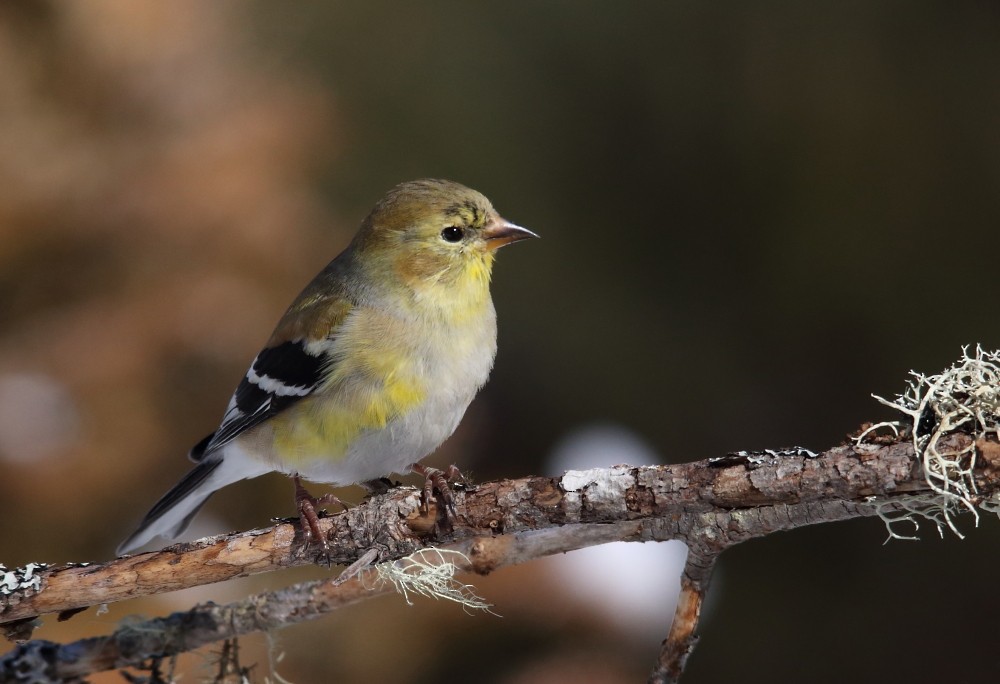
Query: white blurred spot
<point x="600" y="446"/>
<point x="38" y="418"/>
<point x="634" y="585"/>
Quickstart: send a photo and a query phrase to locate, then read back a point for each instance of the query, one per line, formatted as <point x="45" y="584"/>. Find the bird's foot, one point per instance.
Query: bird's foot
<point x="308" y="517"/>
<point x="438" y="479"/>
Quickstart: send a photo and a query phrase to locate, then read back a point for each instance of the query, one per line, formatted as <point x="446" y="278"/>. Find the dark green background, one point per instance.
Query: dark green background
<point x="753" y="215"/>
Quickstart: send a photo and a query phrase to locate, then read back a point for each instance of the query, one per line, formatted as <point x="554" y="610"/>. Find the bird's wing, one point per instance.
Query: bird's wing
<point x="290" y="368"/>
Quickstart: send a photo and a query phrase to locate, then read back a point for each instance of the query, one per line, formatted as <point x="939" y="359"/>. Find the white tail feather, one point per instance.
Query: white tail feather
<point x="174" y="511"/>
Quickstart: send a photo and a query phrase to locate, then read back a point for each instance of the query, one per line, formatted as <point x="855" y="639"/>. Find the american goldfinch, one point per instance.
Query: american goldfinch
<point x="372" y="366"/>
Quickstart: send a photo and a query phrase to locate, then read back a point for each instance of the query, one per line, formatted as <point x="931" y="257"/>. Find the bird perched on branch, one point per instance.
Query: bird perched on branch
<point x="372" y="366"/>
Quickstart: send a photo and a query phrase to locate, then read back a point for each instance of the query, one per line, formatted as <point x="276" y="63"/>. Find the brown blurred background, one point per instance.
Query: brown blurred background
<point x="753" y="216"/>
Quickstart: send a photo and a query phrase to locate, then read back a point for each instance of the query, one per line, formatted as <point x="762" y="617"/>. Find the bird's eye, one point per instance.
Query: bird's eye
<point x="452" y="234"/>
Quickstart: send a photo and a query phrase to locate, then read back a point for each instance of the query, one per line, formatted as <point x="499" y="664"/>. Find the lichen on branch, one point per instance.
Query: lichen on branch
<point x="962" y="400"/>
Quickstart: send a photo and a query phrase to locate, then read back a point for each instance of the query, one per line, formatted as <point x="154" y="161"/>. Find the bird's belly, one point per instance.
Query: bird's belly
<point x="376" y="453"/>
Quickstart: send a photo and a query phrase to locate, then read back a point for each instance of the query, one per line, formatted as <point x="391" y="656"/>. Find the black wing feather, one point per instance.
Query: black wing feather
<point x="279" y="377"/>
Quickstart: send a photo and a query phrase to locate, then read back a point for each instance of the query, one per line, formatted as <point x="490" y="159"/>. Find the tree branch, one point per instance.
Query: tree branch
<point x="681" y="639"/>
<point x="709" y="505"/>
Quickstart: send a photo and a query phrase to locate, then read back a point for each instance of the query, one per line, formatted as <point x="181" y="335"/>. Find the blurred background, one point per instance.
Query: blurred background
<point x="753" y="216"/>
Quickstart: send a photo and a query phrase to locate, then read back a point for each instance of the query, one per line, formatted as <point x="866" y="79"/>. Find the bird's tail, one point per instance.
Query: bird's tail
<point x="173" y="512"/>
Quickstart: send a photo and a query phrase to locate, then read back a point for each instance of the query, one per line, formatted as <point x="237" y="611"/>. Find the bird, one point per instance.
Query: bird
<point x="371" y="367"/>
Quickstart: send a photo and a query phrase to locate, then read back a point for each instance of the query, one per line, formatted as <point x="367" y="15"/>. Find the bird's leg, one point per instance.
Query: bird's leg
<point x="308" y="519"/>
<point x="438" y="479"/>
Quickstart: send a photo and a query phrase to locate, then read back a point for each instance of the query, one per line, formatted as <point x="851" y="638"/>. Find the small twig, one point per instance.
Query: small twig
<point x="367" y="559"/>
<point x="682" y="639"/>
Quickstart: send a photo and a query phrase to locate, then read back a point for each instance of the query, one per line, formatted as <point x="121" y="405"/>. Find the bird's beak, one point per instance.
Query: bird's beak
<point x="501" y="232"/>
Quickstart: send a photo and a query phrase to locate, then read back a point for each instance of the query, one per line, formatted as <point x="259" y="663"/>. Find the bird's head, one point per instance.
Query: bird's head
<point x="435" y="238"/>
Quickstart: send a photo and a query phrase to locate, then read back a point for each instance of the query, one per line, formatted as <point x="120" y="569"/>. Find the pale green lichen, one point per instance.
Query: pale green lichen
<point x="965" y="398"/>
<point x="431" y="573"/>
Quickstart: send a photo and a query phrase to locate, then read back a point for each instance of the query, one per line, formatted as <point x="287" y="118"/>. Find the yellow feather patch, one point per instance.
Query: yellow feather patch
<point x="452" y="287"/>
<point x="373" y="381"/>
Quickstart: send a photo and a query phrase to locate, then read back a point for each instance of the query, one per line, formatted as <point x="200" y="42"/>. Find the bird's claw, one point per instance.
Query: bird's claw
<point x="435" y="478"/>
